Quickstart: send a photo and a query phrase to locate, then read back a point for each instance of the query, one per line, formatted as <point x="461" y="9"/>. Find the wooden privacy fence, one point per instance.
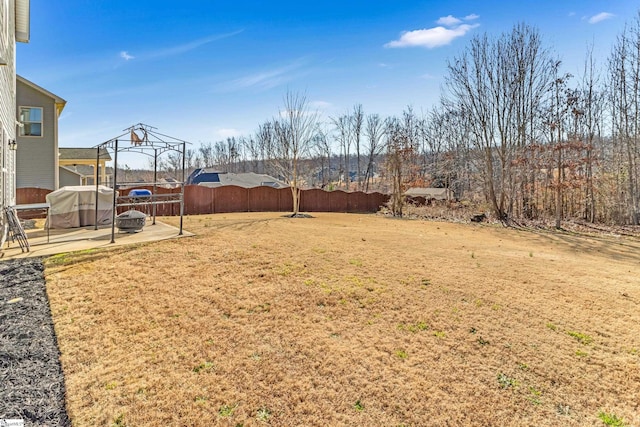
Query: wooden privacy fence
<point x="27" y="196"/>
<point x="204" y="200"/>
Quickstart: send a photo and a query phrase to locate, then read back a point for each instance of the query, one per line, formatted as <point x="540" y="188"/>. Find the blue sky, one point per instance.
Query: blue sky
<point x="205" y="70"/>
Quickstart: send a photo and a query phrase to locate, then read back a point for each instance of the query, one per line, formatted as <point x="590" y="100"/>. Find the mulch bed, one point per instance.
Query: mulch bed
<point x="31" y="379"/>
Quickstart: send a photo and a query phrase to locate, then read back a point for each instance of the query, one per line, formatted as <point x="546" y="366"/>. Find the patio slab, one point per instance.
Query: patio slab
<point x="77" y="239"/>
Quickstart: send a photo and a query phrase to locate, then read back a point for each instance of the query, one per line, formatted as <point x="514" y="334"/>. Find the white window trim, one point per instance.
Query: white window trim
<point x="41" y="122"/>
<point x="4" y="31"/>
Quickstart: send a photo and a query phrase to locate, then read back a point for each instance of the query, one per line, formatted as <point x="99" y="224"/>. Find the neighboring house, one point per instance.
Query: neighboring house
<point x="14" y="27"/>
<point x="83" y="162"/>
<point x="75" y="175"/>
<point x="37" y="154"/>
<point x="212" y="178"/>
<point x="169" y="182"/>
<point x="430" y="193"/>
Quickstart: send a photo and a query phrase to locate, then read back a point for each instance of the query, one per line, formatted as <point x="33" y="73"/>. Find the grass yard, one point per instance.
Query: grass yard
<point x="355" y="320"/>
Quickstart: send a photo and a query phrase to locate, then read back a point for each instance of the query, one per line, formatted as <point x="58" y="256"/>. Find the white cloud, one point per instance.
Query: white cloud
<point x="431" y="37"/>
<point x="471" y="17"/>
<point x="125" y="55"/>
<point x="448" y="21"/>
<point x="602" y="16"/>
<point x="225" y="133"/>
<point x="176" y="50"/>
<point x="266" y="79"/>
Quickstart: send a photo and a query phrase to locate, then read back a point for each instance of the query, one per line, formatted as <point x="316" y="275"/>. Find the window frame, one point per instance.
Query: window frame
<point x="4" y="32"/>
<point x="24" y="123"/>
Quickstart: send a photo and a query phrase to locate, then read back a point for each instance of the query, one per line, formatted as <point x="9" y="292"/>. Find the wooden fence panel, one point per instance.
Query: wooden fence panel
<point x="285" y="200"/>
<point x="339" y="201"/>
<point x="358" y="202"/>
<point x="315" y="200"/>
<point x="231" y="198"/>
<point x="198" y="200"/>
<point x="29" y="195"/>
<point x="378" y="200"/>
<point x="263" y="199"/>
<point x="366" y="202"/>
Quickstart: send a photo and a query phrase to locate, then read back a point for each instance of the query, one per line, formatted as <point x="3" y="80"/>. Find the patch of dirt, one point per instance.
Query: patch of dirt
<point x="351" y="320"/>
<point x="298" y="215"/>
<point x="31" y="380"/>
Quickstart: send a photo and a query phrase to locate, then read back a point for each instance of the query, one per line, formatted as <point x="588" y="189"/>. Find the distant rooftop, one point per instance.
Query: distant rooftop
<point x="82" y="170"/>
<point x="82" y="154"/>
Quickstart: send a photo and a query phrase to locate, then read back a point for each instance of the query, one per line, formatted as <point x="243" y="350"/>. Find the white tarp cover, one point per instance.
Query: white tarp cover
<point x="75" y="206"/>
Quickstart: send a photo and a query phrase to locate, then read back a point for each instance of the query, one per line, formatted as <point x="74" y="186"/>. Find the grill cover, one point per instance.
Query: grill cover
<point x="75" y="206"/>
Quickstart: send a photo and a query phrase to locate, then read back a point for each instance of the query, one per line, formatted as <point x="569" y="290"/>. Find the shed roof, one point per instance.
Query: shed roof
<point x="82" y="154"/>
<point x="81" y="170"/>
<point x="429" y="193"/>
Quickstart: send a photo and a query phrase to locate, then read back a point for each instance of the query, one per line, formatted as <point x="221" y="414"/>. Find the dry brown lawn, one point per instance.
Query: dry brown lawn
<point x="356" y="320"/>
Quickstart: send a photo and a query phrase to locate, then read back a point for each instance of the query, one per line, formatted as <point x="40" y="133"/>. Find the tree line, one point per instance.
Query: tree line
<point x="511" y="130"/>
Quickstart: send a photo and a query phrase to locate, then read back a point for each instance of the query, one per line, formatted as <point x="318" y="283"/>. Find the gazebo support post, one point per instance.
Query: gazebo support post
<point x="115" y="191"/>
<point x="95" y="171"/>
<point x="155" y="182"/>
<point x="184" y="156"/>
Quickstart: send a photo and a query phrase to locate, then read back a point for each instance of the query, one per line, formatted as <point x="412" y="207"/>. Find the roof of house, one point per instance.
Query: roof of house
<point x="82" y="170"/>
<point x="60" y="103"/>
<point x="245" y="180"/>
<point x="82" y="154"/>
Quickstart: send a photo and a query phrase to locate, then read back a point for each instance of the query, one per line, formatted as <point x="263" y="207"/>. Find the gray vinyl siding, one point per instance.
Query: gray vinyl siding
<point x="7" y="107"/>
<point x="68" y="178"/>
<point x="36" y="156"/>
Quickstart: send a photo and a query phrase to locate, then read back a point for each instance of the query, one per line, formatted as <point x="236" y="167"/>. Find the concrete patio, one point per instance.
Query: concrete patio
<point x="76" y="239"/>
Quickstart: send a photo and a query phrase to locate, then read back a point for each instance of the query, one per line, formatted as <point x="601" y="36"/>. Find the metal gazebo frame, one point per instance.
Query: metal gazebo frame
<point x="154" y="144"/>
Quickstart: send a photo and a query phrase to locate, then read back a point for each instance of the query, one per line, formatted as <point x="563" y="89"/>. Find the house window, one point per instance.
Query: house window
<point x="31" y="119"/>
<point x="4" y="21"/>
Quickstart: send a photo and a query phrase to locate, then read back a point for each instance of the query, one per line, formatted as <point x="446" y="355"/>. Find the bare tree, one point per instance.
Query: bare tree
<point x="293" y="136"/>
<point x="341" y="125"/>
<point x="322" y="151"/>
<point x="206" y="155"/>
<point x="374" y="132"/>
<point x="560" y="104"/>
<point x="486" y="82"/>
<point x="624" y="93"/>
<point x="265" y="140"/>
<point x="400" y="160"/>
<point x="356" y="122"/>
<point x="592" y="108"/>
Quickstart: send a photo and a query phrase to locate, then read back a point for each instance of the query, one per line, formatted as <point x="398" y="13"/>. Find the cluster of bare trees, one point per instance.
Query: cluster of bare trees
<point x="512" y="130"/>
<point x="548" y="143"/>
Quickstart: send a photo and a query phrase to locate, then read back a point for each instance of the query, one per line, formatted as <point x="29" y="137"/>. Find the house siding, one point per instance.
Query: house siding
<point x="69" y="178"/>
<point x="7" y="105"/>
<point x="36" y="160"/>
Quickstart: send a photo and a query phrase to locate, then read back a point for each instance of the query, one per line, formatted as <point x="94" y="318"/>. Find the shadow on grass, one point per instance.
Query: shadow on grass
<point x="620" y="248"/>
